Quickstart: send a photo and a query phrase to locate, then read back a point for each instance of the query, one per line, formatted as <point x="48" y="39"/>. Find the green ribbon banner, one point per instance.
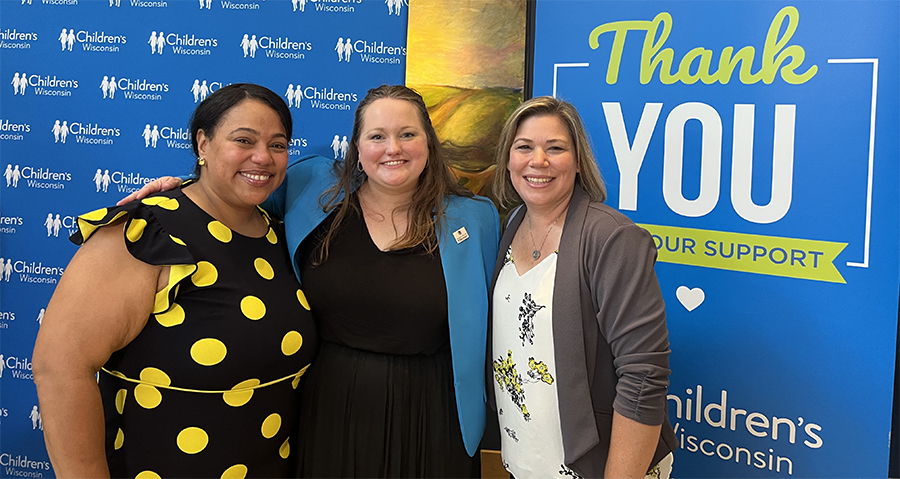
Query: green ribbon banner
<point x="771" y="255"/>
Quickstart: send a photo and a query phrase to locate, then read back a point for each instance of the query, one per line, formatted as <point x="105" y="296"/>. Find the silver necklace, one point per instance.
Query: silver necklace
<point x="537" y="251"/>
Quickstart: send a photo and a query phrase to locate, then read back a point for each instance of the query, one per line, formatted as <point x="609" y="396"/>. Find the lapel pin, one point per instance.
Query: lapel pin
<point x="460" y="235"/>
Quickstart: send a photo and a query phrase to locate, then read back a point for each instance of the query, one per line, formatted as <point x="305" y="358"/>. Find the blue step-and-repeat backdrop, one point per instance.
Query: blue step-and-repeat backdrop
<point x="758" y="142"/>
<point x="95" y="101"/>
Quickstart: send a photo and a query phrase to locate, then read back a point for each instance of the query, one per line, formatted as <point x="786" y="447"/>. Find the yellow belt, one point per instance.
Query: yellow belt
<point x="205" y="391"/>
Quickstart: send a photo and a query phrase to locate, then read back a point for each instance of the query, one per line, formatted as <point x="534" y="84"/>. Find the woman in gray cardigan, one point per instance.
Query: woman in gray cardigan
<point x="579" y="347"/>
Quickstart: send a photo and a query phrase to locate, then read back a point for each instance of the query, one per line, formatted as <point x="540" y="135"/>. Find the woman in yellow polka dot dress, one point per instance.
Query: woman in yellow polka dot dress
<point x="193" y="317"/>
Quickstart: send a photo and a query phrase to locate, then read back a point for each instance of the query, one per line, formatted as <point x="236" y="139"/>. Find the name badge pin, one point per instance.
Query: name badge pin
<point x="461" y="235"/>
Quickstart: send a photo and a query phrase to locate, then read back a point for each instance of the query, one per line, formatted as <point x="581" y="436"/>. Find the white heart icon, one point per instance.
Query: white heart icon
<point x="690" y="298"/>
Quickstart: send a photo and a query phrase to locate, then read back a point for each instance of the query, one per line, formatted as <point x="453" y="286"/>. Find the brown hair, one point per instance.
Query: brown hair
<point x="589" y="176"/>
<point x="426" y="209"/>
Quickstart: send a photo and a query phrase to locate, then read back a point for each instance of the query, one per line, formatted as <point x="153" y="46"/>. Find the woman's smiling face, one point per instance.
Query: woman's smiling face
<point x="542" y="163"/>
<point x="247" y="155"/>
<point x="393" y="148"/>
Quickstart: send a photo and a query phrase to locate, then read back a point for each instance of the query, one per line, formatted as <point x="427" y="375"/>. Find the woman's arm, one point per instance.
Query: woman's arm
<point x="101" y="304"/>
<point x="632" y="318"/>
<point x="274" y="204"/>
<point x="163" y="183"/>
<point x="631" y="448"/>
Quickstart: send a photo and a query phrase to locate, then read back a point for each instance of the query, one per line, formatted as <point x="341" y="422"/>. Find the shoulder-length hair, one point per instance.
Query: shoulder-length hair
<point x="427" y="205"/>
<point x="589" y="175"/>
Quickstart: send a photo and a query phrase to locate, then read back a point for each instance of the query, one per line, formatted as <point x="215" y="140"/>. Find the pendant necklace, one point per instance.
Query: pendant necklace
<point x="537" y="251"/>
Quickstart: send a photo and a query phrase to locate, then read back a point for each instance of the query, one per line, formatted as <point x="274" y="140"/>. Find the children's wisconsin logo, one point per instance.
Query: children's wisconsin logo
<point x="326" y="98"/>
<point x="132" y="89"/>
<point x="279" y="47"/>
<point x="44" y="85"/>
<point x="121" y="181"/>
<point x="29" y="272"/>
<point x="88" y="133"/>
<point x="42" y="178"/>
<point x="369" y="51"/>
<point x="181" y="43"/>
<point x="96" y="41"/>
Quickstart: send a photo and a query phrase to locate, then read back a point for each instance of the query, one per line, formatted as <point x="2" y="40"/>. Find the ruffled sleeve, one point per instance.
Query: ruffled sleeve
<point x="147" y="240"/>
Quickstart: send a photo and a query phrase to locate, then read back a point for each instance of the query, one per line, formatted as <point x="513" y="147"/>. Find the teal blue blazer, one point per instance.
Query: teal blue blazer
<point x="468" y="266"/>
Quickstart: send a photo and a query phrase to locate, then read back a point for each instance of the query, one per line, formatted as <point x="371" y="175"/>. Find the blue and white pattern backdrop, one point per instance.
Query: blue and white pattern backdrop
<point x="758" y="142"/>
<point x="95" y="101"/>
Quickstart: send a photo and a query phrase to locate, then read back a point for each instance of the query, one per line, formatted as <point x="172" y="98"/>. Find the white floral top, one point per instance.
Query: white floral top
<point x="524" y="371"/>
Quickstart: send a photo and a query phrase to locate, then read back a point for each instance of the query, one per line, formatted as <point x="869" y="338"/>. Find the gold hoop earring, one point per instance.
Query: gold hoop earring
<point x="359" y="167"/>
<point x="201" y="161"/>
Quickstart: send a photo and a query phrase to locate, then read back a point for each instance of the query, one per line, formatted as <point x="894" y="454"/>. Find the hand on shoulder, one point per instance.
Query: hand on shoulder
<point x="164" y="183"/>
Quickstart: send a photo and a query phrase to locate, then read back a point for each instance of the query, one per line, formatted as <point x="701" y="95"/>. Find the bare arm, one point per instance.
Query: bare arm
<point x="163" y="183"/>
<point x="101" y="304"/>
<point x="631" y="448"/>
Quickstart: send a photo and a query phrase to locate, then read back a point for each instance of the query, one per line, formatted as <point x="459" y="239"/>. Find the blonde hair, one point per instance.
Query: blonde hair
<point x="426" y="210"/>
<point x="589" y="175"/>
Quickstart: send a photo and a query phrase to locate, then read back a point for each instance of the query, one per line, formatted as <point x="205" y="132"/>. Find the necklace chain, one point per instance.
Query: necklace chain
<point x="536" y="253"/>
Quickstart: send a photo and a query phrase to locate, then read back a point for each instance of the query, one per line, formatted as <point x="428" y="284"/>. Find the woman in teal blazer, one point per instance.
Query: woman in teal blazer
<point x="419" y="410"/>
<point x="467" y="267"/>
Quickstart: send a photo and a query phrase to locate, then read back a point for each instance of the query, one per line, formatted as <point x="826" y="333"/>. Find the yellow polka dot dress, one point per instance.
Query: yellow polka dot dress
<point x="209" y="387"/>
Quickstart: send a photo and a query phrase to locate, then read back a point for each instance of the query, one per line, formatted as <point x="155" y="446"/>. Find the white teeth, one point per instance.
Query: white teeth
<point x="257" y="177"/>
<point x="538" y="180"/>
<point x="392" y="163"/>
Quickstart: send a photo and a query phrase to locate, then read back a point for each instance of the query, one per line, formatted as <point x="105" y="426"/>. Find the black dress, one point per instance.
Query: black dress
<point x="379" y="402"/>
<point x="209" y="387"/>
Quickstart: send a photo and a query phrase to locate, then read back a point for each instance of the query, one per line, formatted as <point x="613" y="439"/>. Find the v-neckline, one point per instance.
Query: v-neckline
<point x="371" y="241"/>
<point x="522" y="275"/>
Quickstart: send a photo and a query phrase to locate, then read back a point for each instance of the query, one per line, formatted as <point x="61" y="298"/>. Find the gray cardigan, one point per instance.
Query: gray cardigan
<point x="617" y="356"/>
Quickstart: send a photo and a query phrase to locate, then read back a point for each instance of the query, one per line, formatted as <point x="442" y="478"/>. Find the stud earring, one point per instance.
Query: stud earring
<point x="201" y="161"/>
